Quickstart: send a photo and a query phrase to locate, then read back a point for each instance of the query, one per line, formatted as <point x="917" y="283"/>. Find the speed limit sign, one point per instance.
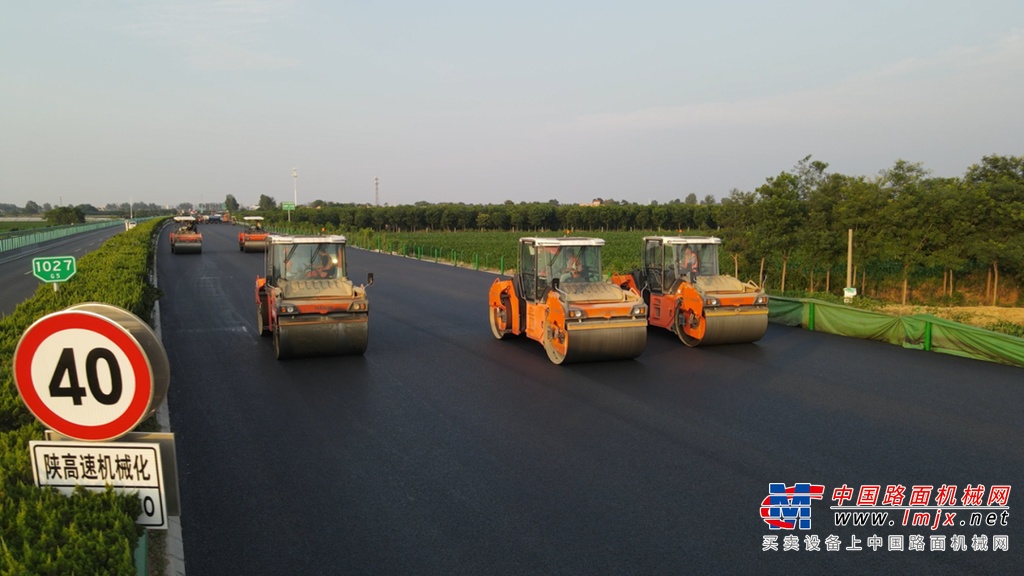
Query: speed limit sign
<point x="92" y="372"/>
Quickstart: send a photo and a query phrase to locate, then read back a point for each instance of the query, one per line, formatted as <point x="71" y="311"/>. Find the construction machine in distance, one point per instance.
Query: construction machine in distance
<point x="686" y="294"/>
<point x="559" y="297"/>
<point x="254" y="237"/>
<point x="186" y="239"/>
<point x="306" y="300"/>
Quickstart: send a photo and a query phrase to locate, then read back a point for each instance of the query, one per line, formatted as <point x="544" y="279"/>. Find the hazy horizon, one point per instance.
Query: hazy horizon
<point x="464" y="102"/>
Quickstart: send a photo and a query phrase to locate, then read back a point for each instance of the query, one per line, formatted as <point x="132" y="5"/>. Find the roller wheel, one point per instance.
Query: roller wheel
<point x="695" y="326"/>
<point x="241" y="247"/>
<point x="172" y="247"/>
<point x="499" y="322"/>
<point x="556" y="343"/>
<point x="278" y="350"/>
<point x="261" y="326"/>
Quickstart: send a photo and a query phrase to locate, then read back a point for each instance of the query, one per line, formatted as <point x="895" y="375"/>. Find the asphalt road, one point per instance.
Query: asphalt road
<point x="445" y="451"/>
<point x="16" y="265"/>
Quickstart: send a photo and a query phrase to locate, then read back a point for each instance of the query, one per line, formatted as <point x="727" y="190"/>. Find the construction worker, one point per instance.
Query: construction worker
<point x="690" y="262"/>
<point x="324" y="265"/>
<point x="573" y="266"/>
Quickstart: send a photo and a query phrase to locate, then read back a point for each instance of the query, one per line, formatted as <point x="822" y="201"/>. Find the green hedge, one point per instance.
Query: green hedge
<point x="42" y="531"/>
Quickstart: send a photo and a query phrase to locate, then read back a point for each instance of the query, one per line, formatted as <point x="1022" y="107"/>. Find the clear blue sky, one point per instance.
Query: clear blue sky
<point x="474" y="101"/>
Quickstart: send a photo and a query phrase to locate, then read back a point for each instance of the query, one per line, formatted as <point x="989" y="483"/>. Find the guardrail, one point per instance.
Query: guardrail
<point x="16" y="242"/>
<point x="917" y="331"/>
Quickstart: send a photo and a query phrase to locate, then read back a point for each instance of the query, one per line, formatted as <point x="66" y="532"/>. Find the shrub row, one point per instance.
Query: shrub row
<point x="42" y="531"/>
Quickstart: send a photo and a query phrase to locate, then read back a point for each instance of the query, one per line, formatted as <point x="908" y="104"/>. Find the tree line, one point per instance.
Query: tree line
<point x="905" y="221"/>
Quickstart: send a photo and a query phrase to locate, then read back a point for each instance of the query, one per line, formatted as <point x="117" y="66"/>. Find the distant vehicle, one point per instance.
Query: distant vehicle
<point x="215" y="219"/>
<point x="129" y="224"/>
<point x="186" y="239"/>
<point x="306" y="300"/>
<point x="254" y="237"/>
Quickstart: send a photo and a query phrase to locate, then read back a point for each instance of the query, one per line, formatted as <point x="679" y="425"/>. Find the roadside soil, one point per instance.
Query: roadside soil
<point x="981" y="316"/>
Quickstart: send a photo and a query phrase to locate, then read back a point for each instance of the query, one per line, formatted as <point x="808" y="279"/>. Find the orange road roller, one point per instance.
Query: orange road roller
<point x="254" y="237"/>
<point x="186" y="239"/>
<point x="559" y="297"/>
<point x="686" y="293"/>
<point x="306" y="300"/>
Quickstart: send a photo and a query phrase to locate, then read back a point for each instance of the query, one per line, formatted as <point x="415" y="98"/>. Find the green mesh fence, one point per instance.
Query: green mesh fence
<point x="918" y="331"/>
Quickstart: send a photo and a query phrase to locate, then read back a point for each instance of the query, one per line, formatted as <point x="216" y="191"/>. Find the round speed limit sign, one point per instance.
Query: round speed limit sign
<point x="89" y="373"/>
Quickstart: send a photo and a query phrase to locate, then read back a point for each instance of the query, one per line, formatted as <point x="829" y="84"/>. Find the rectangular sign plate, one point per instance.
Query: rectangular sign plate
<point x="127" y="467"/>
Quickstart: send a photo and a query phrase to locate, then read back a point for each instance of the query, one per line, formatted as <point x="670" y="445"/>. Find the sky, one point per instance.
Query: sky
<point x="482" y="102"/>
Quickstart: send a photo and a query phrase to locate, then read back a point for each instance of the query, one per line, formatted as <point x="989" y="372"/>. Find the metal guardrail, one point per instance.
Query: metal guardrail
<point x="15" y="242"/>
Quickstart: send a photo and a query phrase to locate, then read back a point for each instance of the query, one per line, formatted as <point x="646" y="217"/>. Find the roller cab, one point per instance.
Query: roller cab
<point x="185" y="238"/>
<point x="254" y="238"/>
<point x="306" y="301"/>
<point x="688" y="295"/>
<point x="558" y="297"/>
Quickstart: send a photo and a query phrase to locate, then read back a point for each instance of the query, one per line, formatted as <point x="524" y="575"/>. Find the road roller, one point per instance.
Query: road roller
<point x="306" y="300"/>
<point x="686" y="294"/>
<point x="186" y="239"/>
<point x="558" y="296"/>
<point x="254" y="237"/>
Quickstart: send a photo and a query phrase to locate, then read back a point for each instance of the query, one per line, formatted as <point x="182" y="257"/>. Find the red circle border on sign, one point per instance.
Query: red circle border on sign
<point x="49" y="325"/>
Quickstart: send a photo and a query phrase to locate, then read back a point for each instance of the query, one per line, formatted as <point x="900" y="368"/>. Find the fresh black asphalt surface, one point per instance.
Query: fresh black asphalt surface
<point x="445" y="451"/>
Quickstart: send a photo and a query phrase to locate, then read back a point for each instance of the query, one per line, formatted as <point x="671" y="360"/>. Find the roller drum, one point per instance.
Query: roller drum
<point x="255" y="246"/>
<point x="595" y="345"/>
<point x="321" y="338"/>
<point x="733" y="329"/>
<point x="187" y="247"/>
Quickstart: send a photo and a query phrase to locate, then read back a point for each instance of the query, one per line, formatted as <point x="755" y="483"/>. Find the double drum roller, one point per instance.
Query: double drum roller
<point x="558" y="297"/>
<point x="186" y="238"/>
<point x="254" y="238"/>
<point x="306" y="301"/>
<point x="687" y="294"/>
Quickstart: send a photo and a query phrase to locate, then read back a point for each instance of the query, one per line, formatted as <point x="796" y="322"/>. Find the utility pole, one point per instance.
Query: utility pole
<point x="849" y="291"/>
<point x="295" y="191"/>
<point x="376" y="191"/>
<point x="849" y="258"/>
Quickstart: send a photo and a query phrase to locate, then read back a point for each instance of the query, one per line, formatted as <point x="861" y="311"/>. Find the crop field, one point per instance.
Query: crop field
<point x="496" y="250"/>
<point x="13" y="227"/>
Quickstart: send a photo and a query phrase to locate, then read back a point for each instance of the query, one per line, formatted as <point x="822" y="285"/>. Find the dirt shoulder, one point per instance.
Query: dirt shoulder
<point x="982" y="316"/>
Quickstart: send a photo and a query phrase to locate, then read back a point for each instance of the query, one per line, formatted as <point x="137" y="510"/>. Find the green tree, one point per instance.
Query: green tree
<point x="823" y="238"/>
<point x="691" y="198"/>
<point x="997" y="184"/>
<point x="909" y="217"/>
<point x="819" y="241"/>
<point x="230" y="203"/>
<point x="32" y="208"/>
<point x="65" y="216"/>
<point x="737" y="216"/>
<point x="267" y="203"/>
<point x="779" y="215"/>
